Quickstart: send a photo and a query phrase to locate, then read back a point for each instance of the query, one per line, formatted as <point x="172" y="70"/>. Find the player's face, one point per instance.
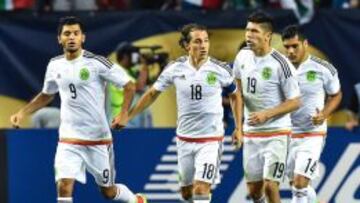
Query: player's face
<point x="71" y="38"/>
<point x="295" y="49"/>
<point x="256" y="36"/>
<point x="198" y="47"/>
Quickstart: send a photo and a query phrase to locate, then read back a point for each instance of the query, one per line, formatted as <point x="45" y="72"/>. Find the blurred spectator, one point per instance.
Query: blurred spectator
<point x="75" y="5"/>
<point x="303" y="9"/>
<point x="47" y="117"/>
<point x="201" y="4"/>
<point x="113" y="4"/>
<point x="354" y="113"/>
<point x="16" y="4"/>
<point x="146" y="4"/>
<point x="346" y="4"/>
<point x="135" y="65"/>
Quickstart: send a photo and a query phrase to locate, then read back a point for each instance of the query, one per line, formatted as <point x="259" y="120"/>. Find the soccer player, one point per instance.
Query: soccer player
<point x="85" y="141"/>
<point x="270" y="92"/>
<point x="318" y="80"/>
<point x="199" y="81"/>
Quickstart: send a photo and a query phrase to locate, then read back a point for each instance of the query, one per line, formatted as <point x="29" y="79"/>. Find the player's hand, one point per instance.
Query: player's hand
<point x="257" y="118"/>
<point x="318" y="118"/>
<point x="120" y="121"/>
<point x="237" y="138"/>
<point x="16" y="119"/>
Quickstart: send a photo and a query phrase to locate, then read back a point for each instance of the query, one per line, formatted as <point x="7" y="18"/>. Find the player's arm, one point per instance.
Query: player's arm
<point x="236" y="103"/>
<point x="122" y="119"/>
<point x="332" y="102"/>
<point x="144" y="102"/>
<point x="35" y="104"/>
<point x="285" y="107"/>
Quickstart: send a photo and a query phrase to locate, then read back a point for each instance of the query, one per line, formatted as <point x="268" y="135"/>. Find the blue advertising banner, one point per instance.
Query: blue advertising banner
<point x="146" y="162"/>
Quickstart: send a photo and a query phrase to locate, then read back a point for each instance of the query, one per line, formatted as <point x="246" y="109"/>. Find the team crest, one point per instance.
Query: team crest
<point x="266" y="73"/>
<point x="211" y="78"/>
<point x="84" y="74"/>
<point x="311" y="76"/>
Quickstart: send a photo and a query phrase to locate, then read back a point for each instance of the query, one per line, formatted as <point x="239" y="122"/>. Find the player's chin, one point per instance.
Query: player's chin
<point x="72" y="49"/>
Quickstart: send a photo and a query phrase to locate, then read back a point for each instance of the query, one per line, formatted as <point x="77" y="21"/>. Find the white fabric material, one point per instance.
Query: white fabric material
<point x="303" y="157"/>
<point x="199" y="161"/>
<point x="64" y="200"/>
<point x="299" y="195"/>
<point x="317" y="78"/>
<point x="266" y="82"/>
<point x="124" y="194"/>
<point x="72" y="161"/>
<point x="265" y="158"/>
<point x="198" y="96"/>
<point x="81" y="84"/>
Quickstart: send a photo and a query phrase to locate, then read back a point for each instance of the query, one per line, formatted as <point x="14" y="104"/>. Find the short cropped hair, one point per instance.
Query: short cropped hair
<point x="186" y="30"/>
<point x="69" y="20"/>
<point x="292" y="31"/>
<point x="262" y="18"/>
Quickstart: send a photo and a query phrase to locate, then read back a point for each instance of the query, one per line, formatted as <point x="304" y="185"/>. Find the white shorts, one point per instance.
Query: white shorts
<point x="304" y="155"/>
<point x="265" y="158"/>
<point x="199" y="161"/>
<point x="72" y="161"/>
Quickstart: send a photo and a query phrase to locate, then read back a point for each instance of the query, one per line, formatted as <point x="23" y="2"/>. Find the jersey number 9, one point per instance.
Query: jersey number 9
<point x="73" y="91"/>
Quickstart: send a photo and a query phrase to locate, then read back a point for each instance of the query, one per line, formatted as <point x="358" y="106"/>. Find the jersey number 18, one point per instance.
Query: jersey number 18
<point x="195" y="92"/>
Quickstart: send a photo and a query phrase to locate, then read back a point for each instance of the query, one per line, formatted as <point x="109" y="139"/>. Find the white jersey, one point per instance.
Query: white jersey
<point x="317" y="78"/>
<point x="81" y="83"/>
<point x="266" y="82"/>
<point x="198" y="95"/>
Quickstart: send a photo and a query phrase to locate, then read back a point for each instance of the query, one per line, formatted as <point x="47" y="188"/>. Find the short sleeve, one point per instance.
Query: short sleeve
<point x="113" y="73"/>
<point x="165" y="79"/>
<point x="50" y="86"/>
<point x="331" y="81"/>
<point x="228" y="81"/>
<point x="288" y="80"/>
<point x="237" y="66"/>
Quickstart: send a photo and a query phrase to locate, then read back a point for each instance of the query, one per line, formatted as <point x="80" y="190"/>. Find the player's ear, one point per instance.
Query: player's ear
<point x="59" y="40"/>
<point x="306" y="43"/>
<point x="83" y="39"/>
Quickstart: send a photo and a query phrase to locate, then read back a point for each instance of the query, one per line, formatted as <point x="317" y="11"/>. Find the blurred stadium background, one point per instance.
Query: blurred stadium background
<point x="145" y="158"/>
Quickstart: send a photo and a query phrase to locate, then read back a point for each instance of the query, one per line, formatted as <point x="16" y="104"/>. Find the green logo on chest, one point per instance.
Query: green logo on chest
<point x="311" y="76"/>
<point x="211" y="78"/>
<point x="266" y="73"/>
<point x="84" y="74"/>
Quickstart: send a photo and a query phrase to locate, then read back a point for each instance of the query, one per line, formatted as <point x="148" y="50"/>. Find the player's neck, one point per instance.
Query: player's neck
<point x="303" y="59"/>
<point x="197" y="62"/>
<point x="263" y="51"/>
<point x="73" y="55"/>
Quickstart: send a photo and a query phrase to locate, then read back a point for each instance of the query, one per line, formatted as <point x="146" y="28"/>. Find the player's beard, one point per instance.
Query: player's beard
<point x="71" y="49"/>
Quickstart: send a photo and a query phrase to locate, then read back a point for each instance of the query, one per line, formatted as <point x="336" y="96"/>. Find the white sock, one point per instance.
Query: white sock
<point x="261" y="200"/>
<point x="311" y="194"/>
<point x="64" y="200"/>
<point x="124" y="194"/>
<point x="201" y="199"/>
<point x="299" y="195"/>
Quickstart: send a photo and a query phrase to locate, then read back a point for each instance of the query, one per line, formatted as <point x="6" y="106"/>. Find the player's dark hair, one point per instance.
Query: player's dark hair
<point x="262" y="18"/>
<point x="69" y="20"/>
<point x="185" y="31"/>
<point x="292" y="31"/>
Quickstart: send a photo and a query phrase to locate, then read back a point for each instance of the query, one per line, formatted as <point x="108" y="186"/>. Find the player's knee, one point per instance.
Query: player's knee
<point x="108" y="192"/>
<point x="65" y="188"/>
<point x="201" y="188"/>
<point x="186" y="192"/>
<point x="271" y="187"/>
<point x="255" y="190"/>
<point x="300" y="182"/>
